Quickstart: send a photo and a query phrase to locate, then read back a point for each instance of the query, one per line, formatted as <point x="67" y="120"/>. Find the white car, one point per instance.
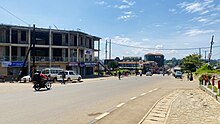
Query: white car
<point x="69" y="76"/>
<point x="26" y="79"/>
<point x="149" y="73"/>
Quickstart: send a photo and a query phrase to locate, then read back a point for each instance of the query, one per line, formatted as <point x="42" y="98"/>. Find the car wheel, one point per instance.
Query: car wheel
<point x="68" y="80"/>
<point x="79" y="79"/>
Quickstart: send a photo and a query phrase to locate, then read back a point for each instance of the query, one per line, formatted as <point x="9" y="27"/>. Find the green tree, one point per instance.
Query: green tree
<point x="191" y="62"/>
<point x="113" y="65"/>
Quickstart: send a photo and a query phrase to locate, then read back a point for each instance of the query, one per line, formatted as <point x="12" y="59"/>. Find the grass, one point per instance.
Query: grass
<point x="206" y="69"/>
<point x="215" y="88"/>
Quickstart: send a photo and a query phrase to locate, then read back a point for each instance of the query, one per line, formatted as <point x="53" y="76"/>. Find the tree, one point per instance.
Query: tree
<point x="113" y="65"/>
<point x="191" y="62"/>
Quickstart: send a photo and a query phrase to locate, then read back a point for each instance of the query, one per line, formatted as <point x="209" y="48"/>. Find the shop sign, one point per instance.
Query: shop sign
<point x="91" y="64"/>
<point x="81" y="64"/>
<point x="12" y="64"/>
<point x="88" y="52"/>
<point x="73" y="64"/>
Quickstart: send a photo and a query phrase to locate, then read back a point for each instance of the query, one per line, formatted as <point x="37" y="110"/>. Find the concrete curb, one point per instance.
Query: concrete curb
<point x="209" y="92"/>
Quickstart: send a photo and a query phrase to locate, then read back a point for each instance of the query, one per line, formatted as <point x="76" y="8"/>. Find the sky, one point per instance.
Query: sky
<point x="135" y="27"/>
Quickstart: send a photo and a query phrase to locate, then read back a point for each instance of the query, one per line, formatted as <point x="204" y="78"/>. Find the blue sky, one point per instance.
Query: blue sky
<point x="150" y="25"/>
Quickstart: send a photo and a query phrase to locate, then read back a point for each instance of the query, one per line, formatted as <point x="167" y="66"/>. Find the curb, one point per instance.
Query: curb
<point x="209" y="92"/>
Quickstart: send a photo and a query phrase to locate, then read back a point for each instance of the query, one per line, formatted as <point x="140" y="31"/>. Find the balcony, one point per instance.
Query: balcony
<point x="4" y="58"/>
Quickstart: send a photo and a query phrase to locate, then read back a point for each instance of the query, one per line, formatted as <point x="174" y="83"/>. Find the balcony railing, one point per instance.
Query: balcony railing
<point x="4" y="58"/>
<point x="44" y="59"/>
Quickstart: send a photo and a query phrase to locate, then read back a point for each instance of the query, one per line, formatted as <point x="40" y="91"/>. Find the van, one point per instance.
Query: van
<point x="69" y="76"/>
<point x="51" y="73"/>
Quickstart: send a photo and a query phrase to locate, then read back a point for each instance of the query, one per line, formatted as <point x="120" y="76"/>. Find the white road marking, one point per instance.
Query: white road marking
<point x="133" y="98"/>
<point x="150" y="91"/>
<point x="102" y="116"/>
<point x="119" y="105"/>
<point x="143" y="94"/>
<point x="155" y="89"/>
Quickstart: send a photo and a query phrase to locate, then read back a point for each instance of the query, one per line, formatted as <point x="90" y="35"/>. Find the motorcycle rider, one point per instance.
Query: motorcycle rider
<point x="40" y="78"/>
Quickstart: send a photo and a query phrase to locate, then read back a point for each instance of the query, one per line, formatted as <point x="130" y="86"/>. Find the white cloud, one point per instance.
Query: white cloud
<point x="195" y="32"/>
<point x="130" y="3"/>
<point x="200" y="7"/>
<point x="126" y="15"/>
<point x="145" y="39"/>
<point x="159" y="46"/>
<point x="125" y="41"/>
<point x="122" y="6"/>
<point x="100" y="2"/>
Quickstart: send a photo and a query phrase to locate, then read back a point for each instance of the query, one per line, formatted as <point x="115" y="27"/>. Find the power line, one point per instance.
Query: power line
<point x="13" y="14"/>
<point x="192" y="48"/>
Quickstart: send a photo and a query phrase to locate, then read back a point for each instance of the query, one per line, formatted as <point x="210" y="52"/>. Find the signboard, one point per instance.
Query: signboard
<point x="91" y="64"/>
<point x="81" y="64"/>
<point x="12" y="64"/>
<point x="88" y="52"/>
<point x="73" y="64"/>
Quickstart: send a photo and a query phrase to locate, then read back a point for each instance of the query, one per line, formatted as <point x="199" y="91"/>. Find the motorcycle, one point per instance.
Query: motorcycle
<point x="40" y="82"/>
<point x="44" y="84"/>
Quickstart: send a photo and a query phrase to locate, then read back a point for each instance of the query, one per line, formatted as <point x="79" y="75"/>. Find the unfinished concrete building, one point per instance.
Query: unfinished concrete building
<point x="67" y="49"/>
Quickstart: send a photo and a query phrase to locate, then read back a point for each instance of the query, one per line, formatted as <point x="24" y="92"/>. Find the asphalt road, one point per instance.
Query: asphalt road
<point x="80" y="103"/>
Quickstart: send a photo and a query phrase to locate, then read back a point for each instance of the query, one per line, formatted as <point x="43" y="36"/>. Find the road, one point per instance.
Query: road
<point x="128" y="100"/>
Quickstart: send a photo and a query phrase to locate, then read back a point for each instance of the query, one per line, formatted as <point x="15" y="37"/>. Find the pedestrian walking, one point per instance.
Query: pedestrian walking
<point x="191" y="77"/>
<point x="188" y="76"/>
<point x="119" y="75"/>
<point x="63" y="77"/>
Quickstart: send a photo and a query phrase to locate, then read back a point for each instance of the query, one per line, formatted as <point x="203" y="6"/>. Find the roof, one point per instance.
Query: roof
<point x="48" y="29"/>
<point x="155" y="54"/>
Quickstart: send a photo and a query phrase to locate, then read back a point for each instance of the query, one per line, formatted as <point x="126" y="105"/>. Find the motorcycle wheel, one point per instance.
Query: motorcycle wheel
<point x="37" y="87"/>
<point x="48" y="85"/>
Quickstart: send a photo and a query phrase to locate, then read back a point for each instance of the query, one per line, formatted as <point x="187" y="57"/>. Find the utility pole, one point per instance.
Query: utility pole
<point x="106" y="46"/>
<point x="205" y="56"/>
<point x="210" y="53"/>
<point x="110" y="49"/>
<point x="200" y="52"/>
<point x="33" y="51"/>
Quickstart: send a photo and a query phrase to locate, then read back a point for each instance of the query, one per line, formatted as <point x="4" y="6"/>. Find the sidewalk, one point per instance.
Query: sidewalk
<point x="185" y="107"/>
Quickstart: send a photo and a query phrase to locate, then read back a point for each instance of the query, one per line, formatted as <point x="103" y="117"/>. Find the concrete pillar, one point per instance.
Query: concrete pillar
<point x="50" y="48"/>
<point x="68" y="54"/>
<point x="10" y="49"/>
<point x="29" y="55"/>
<point x="77" y="56"/>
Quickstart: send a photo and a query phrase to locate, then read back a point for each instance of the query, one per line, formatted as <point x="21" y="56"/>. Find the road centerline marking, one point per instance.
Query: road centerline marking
<point x="143" y="94"/>
<point x="150" y="91"/>
<point x="119" y="105"/>
<point x="102" y="116"/>
<point x="133" y="98"/>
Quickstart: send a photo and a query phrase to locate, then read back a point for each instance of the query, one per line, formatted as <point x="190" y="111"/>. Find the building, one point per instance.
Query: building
<point x="67" y="49"/>
<point x="131" y="63"/>
<point x="156" y="57"/>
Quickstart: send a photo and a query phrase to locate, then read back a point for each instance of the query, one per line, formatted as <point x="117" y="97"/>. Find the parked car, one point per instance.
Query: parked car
<point x="178" y="74"/>
<point x="69" y="76"/>
<point x="149" y="73"/>
<point x="26" y="79"/>
<point x="51" y="73"/>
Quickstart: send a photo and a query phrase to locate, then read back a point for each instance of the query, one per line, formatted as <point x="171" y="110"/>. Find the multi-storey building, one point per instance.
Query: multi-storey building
<point x="156" y="57"/>
<point x="67" y="49"/>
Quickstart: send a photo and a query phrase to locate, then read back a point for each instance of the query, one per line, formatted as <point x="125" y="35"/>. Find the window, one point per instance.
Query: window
<point x="23" y="35"/>
<point x="71" y="73"/>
